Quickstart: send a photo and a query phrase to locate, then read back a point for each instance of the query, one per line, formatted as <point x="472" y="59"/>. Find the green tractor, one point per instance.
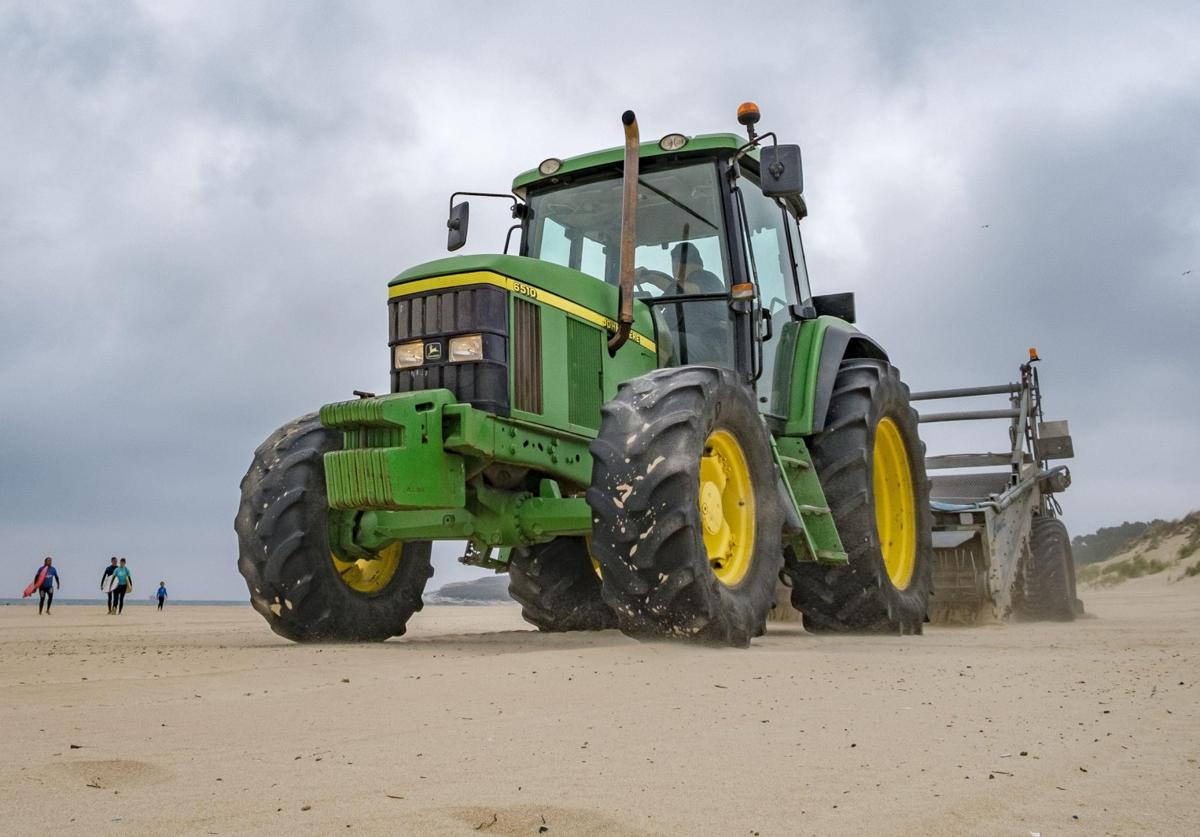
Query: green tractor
<point x="646" y="418"/>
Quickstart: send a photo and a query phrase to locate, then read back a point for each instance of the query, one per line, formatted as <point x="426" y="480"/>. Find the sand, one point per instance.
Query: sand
<point x="200" y="721"/>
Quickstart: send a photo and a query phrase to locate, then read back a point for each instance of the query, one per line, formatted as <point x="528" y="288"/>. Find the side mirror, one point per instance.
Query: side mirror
<point x="835" y="305"/>
<point x="460" y="214"/>
<point x="780" y="172"/>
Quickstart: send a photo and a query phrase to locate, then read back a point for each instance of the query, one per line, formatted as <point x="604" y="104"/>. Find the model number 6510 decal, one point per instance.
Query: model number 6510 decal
<point x="526" y="290"/>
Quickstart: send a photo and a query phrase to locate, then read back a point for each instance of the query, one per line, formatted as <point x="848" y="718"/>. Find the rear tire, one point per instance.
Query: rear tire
<point x="862" y="595"/>
<point x="669" y="442"/>
<point x="283" y="538"/>
<point x="782" y="609"/>
<point x="557" y="587"/>
<point x="1049" y="577"/>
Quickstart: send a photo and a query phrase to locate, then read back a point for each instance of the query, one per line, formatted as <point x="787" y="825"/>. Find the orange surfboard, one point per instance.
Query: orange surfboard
<point x="37" y="582"/>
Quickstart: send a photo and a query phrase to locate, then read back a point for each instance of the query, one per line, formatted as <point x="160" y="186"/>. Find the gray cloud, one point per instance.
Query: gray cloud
<point x="200" y="207"/>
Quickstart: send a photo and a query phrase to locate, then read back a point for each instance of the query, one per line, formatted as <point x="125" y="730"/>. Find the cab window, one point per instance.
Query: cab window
<point x="578" y="225"/>
<point x="769" y="254"/>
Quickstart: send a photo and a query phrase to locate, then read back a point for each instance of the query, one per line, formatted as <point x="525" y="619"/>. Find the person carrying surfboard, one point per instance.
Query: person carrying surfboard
<point x="44" y="582"/>
<point x="108" y="581"/>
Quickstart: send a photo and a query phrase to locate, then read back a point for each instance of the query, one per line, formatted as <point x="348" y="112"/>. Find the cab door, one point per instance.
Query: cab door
<point x="775" y="259"/>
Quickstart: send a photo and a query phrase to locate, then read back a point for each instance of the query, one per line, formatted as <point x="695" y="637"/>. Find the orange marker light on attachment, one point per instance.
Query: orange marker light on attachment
<point x="748" y="114"/>
<point x="1033" y="355"/>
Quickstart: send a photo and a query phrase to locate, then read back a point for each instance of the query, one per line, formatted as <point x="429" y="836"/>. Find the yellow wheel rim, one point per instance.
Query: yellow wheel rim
<point x="587" y="542"/>
<point x="726" y="508"/>
<point x="895" y="508"/>
<point x="369" y="575"/>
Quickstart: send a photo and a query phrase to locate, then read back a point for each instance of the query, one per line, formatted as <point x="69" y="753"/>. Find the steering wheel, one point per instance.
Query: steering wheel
<point x="664" y="282"/>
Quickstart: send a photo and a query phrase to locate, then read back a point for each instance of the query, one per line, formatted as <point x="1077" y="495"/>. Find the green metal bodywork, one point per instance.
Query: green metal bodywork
<point x="797" y="372"/>
<point x="412" y="464"/>
<point x="431" y="434"/>
<point x="817" y="539"/>
<point x="426" y="484"/>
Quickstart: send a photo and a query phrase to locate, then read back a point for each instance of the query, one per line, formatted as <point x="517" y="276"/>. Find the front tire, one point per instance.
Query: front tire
<point x="686" y="519"/>
<point x="300" y="587"/>
<point x="557" y="587"/>
<point x="871" y="464"/>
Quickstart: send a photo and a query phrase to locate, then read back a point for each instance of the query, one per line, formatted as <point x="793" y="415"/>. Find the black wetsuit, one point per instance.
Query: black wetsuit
<point x="46" y="590"/>
<point x="107" y="572"/>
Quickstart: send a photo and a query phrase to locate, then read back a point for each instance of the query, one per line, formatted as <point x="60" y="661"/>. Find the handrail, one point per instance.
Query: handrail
<point x="968" y="415"/>
<point x="965" y="392"/>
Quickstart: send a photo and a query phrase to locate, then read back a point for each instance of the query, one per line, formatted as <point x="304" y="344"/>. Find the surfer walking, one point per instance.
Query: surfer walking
<point x="108" y="581"/>
<point x="124" y="584"/>
<point x="45" y="580"/>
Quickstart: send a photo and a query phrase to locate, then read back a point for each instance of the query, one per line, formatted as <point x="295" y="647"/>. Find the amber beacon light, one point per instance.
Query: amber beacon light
<point x="748" y="114"/>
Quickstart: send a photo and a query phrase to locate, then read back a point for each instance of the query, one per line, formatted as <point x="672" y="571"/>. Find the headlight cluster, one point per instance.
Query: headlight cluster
<point x="462" y="349"/>
<point x="410" y="354"/>
<point x="467" y="347"/>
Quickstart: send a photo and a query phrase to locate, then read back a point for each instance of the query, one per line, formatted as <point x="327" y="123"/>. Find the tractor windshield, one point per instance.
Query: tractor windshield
<point x="680" y="257"/>
<point x="680" y="229"/>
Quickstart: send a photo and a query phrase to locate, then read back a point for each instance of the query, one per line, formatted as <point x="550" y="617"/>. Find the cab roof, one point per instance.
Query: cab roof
<point x="650" y="149"/>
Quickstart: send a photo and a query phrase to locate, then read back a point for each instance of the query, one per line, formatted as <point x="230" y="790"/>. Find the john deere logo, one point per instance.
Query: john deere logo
<point x="433" y="351"/>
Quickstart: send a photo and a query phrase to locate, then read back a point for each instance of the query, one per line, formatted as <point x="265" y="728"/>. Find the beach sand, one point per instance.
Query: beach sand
<point x="199" y="720"/>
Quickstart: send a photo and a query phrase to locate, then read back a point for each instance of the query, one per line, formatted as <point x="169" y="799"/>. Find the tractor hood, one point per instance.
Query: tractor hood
<point x="531" y="276"/>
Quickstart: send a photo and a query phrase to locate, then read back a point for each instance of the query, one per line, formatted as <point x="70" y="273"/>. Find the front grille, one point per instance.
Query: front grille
<point x="585" y="343"/>
<point x="527" y="356"/>
<point x="437" y="316"/>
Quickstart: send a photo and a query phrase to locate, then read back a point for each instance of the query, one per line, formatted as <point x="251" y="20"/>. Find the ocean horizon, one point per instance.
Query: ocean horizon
<point x="431" y="599"/>
<point x="128" y="601"/>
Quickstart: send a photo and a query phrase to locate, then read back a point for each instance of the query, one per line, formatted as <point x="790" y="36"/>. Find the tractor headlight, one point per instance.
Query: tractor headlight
<point x="467" y="347"/>
<point x="408" y="355"/>
<point x="672" y="142"/>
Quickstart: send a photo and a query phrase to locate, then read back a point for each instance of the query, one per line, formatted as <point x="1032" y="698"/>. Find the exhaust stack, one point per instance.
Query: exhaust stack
<point x="628" y="234"/>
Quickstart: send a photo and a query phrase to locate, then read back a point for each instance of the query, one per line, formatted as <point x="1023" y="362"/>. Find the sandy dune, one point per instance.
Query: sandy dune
<point x="200" y="721"/>
<point x="1168" y="553"/>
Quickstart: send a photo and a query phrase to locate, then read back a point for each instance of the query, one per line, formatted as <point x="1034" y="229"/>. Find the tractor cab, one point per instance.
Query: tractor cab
<point x="718" y="261"/>
<point x="719" y="264"/>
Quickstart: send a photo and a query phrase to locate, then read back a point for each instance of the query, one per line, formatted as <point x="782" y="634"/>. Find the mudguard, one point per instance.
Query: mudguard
<point x="807" y="361"/>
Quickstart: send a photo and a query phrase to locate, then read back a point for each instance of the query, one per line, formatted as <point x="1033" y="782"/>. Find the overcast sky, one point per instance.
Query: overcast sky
<point x="201" y="205"/>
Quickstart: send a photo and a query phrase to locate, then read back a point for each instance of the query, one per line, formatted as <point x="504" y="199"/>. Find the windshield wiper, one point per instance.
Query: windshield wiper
<point x="678" y="203"/>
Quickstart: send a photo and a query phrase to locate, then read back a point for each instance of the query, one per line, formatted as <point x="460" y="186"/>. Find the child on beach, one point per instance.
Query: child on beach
<point x="124" y="584"/>
<point x="161" y="594"/>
